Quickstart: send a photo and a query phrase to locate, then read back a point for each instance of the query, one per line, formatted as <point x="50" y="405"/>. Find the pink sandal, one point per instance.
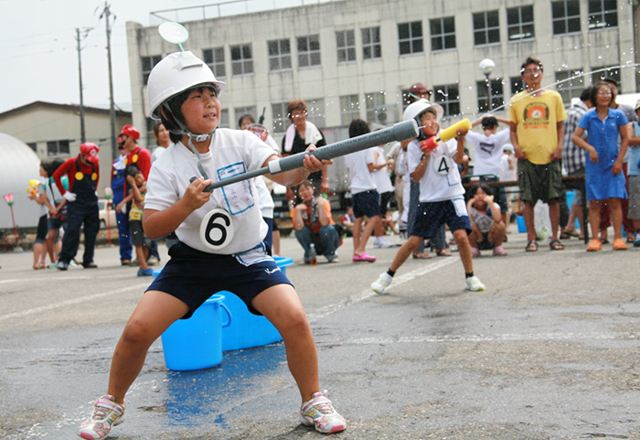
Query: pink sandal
<point x="364" y="257"/>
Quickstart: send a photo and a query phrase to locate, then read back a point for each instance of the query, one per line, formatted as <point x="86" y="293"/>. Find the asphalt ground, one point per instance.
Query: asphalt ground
<point x="549" y="351"/>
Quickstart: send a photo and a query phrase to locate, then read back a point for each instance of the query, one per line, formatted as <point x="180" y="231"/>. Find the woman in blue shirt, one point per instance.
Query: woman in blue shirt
<point x="604" y="178"/>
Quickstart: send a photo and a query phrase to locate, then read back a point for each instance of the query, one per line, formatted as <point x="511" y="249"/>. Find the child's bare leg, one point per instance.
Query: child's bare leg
<point x="594" y="217"/>
<point x="405" y="250"/>
<point x="464" y="248"/>
<point x="155" y="312"/>
<point x="142" y="257"/>
<point x="475" y="236"/>
<point x="616" y="216"/>
<point x="357" y="230"/>
<point x="281" y="305"/>
<point x="366" y="233"/>
<point x="496" y="233"/>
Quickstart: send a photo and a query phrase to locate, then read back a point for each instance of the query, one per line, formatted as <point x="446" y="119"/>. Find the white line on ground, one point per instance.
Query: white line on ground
<point x="331" y="308"/>
<point x="70" y="302"/>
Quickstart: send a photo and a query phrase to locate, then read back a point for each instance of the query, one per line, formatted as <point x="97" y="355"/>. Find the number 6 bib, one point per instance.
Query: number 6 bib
<point x="217" y="229"/>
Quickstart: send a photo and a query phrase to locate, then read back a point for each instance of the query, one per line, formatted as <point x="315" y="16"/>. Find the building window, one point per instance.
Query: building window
<point x="58" y="148"/>
<point x="279" y="55"/>
<point x="443" y="33"/>
<point x="346" y="44"/>
<point x="602" y="72"/>
<point x="520" y="23"/>
<point x="377" y="111"/>
<point x="315" y="112"/>
<point x="349" y="109"/>
<point x="486" y="28"/>
<point x="497" y="95"/>
<point x="224" y="119"/>
<point x="448" y="96"/>
<point x="279" y="116"/>
<point x="309" y="51"/>
<point x="33" y="146"/>
<point x="517" y="85"/>
<point x="602" y="14"/>
<point x="565" y="17"/>
<point x="410" y="38"/>
<point x="214" y="58"/>
<point x="147" y="65"/>
<point x="570" y="84"/>
<point x="248" y="110"/>
<point x="371" y="46"/>
<point x="241" y="60"/>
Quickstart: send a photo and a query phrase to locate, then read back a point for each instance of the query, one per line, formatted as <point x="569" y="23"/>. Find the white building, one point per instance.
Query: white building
<point x="349" y="58"/>
<point x="53" y="130"/>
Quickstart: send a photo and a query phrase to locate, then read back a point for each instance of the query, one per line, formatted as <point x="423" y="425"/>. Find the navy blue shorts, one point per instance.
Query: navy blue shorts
<point x="193" y="276"/>
<point x="430" y="216"/>
<point x="366" y="203"/>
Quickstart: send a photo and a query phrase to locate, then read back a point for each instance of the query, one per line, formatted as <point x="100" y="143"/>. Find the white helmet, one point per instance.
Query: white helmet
<point x="174" y="74"/>
<point x="416" y="109"/>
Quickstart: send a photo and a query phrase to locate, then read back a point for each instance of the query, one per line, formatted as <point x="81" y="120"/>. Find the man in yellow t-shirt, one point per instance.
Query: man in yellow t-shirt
<point x="537" y="133"/>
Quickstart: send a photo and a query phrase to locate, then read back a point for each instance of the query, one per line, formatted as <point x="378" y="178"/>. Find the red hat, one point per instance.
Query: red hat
<point x="90" y="152"/>
<point x="130" y="131"/>
<point x="419" y="89"/>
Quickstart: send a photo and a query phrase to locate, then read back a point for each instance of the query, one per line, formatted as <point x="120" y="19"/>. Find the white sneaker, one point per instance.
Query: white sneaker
<point x="381" y="242"/>
<point x="381" y="283"/>
<point x="319" y="413"/>
<point x="106" y="413"/>
<point x="474" y="284"/>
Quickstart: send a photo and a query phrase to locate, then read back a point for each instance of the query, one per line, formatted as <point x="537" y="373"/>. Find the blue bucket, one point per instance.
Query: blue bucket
<point x="249" y="330"/>
<point x="196" y="343"/>
<point x="522" y="227"/>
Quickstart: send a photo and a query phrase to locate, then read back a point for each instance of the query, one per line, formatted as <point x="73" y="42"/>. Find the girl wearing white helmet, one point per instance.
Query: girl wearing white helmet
<point x="221" y="239"/>
<point x="441" y="193"/>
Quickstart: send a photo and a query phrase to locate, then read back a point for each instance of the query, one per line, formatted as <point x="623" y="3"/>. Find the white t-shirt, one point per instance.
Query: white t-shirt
<point x="488" y="151"/>
<point x="231" y="152"/>
<point x="381" y="176"/>
<point x="265" y="201"/>
<point x="441" y="180"/>
<point x="361" y="178"/>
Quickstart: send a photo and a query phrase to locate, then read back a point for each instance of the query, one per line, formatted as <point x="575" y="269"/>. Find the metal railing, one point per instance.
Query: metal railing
<point x="225" y="9"/>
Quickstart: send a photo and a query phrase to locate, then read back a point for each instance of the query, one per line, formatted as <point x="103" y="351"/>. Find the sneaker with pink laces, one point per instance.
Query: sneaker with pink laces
<point x="319" y="413"/>
<point x="106" y="414"/>
<point x="499" y="252"/>
<point x="364" y="257"/>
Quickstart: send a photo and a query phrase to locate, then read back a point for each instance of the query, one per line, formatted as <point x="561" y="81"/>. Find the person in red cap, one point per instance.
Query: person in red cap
<point x="142" y="158"/>
<point x="419" y="91"/>
<point x="81" y="200"/>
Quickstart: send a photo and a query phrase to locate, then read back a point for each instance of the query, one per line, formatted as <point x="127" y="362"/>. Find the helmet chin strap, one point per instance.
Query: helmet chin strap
<point x="197" y="137"/>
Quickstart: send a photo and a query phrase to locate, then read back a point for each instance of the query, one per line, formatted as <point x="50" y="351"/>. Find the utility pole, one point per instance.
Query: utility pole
<point x="106" y="13"/>
<point x="85" y="31"/>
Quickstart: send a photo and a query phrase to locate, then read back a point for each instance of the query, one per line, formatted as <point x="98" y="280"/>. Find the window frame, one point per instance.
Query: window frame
<point x="348" y="50"/>
<point x="481" y="86"/>
<point x="571" y="91"/>
<point x="279" y="117"/>
<point x="152" y="60"/>
<point x="368" y="42"/>
<point x="308" y="52"/>
<point x="486" y="30"/>
<point x="245" y="62"/>
<point x="280" y="56"/>
<point x="603" y="13"/>
<point x="217" y="66"/>
<point x="442" y="36"/>
<point x="411" y="40"/>
<point x="520" y="25"/>
<point x="565" y="18"/>
<point x="441" y="95"/>
<point x="349" y="108"/>
<point x="59" y="148"/>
